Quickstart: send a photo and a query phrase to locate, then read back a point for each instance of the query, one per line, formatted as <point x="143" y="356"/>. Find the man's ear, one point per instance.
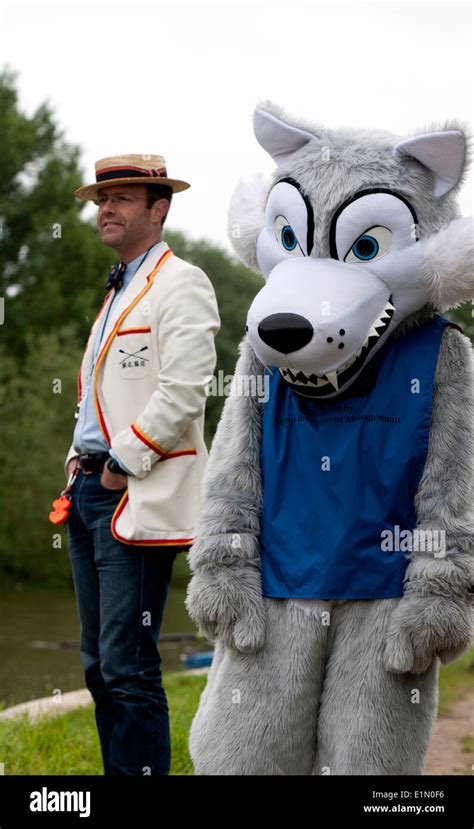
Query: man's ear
<point x="159" y="210"/>
<point x="442" y="153"/>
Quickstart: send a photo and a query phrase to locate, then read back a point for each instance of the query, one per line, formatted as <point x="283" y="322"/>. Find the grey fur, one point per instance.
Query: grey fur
<point x="316" y="700"/>
<point x="448" y="269"/>
<point x="339" y="697"/>
<point x="224" y="597"/>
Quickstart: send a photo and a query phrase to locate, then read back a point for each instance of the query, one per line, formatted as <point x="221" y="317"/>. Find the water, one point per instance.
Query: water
<point x="29" y="616"/>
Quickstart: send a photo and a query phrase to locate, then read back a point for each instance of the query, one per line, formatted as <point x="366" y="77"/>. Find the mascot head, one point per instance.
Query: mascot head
<point x="355" y="236"/>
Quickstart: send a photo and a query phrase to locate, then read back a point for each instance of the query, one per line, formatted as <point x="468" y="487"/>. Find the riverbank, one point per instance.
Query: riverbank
<point x="67" y="743"/>
<point x="39" y="642"/>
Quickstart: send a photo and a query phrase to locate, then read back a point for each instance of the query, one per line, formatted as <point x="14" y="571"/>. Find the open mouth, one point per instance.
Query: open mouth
<point x="319" y="386"/>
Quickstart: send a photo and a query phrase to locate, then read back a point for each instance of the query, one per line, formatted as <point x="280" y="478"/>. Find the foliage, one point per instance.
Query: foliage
<point x="51" y="258"/>
<point x="464" y="317"/>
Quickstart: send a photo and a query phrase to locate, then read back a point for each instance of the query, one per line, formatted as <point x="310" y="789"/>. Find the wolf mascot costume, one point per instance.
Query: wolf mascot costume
<point x="333" y="560"/>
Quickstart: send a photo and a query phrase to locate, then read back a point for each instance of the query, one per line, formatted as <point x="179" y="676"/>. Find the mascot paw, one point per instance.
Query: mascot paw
<point x="422" y="628"/>
<point x="249" y="632"/>
<point x="227" y="604"/>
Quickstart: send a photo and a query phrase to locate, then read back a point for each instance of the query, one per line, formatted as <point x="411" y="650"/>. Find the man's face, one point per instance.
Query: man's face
<point x="124" y="217"/>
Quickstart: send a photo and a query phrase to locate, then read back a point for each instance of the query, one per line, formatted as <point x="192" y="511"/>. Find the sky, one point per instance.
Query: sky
<point x="182" y="79"/>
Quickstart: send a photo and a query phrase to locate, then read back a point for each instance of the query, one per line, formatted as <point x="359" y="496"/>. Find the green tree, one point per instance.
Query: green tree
<point x="464" y="316"/>
<point x="54" y="267"/>
<point x="37" y="417"/>
<point x="50" y="257"/>
<point x="235" y="288"/>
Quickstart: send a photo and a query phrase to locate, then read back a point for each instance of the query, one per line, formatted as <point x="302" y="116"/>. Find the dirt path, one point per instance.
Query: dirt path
<point x="445" y="754"/>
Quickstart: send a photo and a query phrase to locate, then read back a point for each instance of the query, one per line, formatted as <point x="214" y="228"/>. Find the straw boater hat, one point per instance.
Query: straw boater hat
<point x="129" y="169"/>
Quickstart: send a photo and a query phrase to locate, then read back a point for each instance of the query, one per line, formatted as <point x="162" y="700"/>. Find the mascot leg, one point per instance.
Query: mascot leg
<point x="371" y="721"/>
<point x="258" y="712"/>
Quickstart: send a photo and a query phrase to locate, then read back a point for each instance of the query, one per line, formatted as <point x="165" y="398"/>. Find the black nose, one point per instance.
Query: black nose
<point x="285" y="332"/>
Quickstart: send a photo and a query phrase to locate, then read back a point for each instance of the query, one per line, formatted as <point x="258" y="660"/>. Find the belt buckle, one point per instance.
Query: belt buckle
<point x="85" y="471"/>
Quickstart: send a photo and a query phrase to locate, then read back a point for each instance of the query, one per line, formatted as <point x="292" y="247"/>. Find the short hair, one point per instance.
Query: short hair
<point x="154" y="192"/>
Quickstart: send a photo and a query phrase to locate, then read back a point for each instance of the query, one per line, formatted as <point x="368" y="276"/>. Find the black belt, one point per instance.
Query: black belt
<point x="93" y="463"/>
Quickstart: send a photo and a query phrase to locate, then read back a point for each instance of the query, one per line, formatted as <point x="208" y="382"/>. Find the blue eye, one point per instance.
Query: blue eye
<point x="365" y="248"/>
<point x="374" y="243"/>
<point x="288" y="238"/>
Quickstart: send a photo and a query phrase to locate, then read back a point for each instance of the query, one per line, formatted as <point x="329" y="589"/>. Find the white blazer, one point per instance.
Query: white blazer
<point x="150" y="387"/>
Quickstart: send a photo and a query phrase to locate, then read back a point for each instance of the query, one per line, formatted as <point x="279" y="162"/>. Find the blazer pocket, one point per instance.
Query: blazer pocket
<point x="167" y="500"/>
<point x="133" y="352"/>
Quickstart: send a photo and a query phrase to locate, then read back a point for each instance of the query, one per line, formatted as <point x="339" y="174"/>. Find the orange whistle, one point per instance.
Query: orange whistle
<point x="60" y="513"/>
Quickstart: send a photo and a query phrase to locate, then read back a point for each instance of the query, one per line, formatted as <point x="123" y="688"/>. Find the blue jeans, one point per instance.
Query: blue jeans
<point x="120" y="593"/>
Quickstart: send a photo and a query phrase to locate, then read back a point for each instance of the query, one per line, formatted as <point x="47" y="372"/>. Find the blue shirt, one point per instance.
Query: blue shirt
<point x="340" y="475"/>
<point x="88" y="436"/>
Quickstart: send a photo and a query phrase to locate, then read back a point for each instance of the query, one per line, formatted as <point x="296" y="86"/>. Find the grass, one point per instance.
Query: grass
<point x="468" y="744"/>
<point x="69" y="744"/>
<point x="455" y="680"/>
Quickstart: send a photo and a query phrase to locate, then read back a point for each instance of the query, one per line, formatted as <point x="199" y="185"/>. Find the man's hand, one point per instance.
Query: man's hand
<point x="111" y="480"/>
<point x="71" y="465"/>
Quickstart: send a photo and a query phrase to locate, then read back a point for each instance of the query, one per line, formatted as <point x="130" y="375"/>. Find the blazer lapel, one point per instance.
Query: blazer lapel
<point x="139" y="285"/>
<point x="134" y="288"/>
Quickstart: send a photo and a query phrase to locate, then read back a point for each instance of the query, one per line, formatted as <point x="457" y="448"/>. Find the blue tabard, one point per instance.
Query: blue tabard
<point x="337" y="473"/>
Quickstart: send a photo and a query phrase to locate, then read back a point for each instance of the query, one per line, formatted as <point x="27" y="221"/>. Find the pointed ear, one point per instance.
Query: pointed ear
<point x="441" y="152"/>
<point x="277" y="137"/>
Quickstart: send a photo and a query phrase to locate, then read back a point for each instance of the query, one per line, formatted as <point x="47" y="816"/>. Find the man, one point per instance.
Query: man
<point x="137" y="456"/>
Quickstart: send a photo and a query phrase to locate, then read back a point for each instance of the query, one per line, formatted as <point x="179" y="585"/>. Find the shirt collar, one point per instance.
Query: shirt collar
<point x="133" y="266"/>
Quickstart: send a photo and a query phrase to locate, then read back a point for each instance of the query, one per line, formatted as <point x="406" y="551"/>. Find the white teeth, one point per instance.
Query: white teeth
<point x="332" y="377"/>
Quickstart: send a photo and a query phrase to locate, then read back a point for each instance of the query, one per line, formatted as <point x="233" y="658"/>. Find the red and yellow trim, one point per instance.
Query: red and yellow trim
<point x="164" y="455"/>
<point x="145" y="330"/>
<point x="179" y="453"/>
<point x="147" y="440"/>
<point x="141" y="543"/>
<point x="114" y="331"/>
